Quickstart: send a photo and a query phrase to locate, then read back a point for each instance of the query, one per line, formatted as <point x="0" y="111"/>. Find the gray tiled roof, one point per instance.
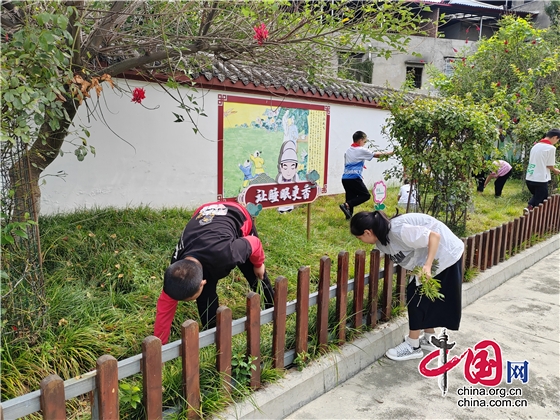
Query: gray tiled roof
<point x="295" y="82"/>
<point x="474" y="3"/>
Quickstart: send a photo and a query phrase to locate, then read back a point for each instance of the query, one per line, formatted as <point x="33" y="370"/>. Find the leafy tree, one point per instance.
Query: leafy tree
<point x="57" y="54"/>
<point x="552" y="9"/>
<point x="517" y="73"/>
<point x="439" y="142"/>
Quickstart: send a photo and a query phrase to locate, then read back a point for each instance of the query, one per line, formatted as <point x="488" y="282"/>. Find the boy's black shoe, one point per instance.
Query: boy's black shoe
<point x="345" y="210"/>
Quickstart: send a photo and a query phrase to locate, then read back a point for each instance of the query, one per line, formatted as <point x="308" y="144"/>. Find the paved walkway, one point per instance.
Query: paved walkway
<point x="522" y="316"/>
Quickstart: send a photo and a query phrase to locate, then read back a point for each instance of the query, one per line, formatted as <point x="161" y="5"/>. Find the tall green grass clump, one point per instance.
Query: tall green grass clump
<point x="103" y="273"/>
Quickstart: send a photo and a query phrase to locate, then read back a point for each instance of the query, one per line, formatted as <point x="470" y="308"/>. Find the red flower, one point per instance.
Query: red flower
<point x="534" y="41"/>
<point x="505" y="42"/>
<point x="454" y="49"/>
<point x="138" y="94"/>
<point x="261" y="33"/>
<point x="498" y="84"/>
<point x="506" y="51"/>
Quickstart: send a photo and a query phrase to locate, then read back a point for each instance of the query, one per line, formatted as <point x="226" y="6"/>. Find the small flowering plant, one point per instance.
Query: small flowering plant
<point x="138" y="95"/>
<point x="261" y="33"/>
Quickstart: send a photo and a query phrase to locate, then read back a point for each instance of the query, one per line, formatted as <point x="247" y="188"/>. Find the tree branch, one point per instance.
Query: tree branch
<point x="207" y="21"/>
<point x="107" y="23"/>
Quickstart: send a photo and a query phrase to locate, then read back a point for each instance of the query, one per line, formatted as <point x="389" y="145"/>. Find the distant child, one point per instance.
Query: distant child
<point x="406" y="199"/>
<point x="541" y="164"/>
<point x="356" y="191"/>
<point x="501" y="175"/>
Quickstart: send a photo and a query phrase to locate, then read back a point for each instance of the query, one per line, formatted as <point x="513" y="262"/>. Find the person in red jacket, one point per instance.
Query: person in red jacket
<point x="219" y="237"/>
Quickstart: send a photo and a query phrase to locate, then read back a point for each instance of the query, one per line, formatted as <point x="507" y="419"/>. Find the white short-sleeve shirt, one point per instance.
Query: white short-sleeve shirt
<point x="408" y="242"/>
<point x="541" y="156"/>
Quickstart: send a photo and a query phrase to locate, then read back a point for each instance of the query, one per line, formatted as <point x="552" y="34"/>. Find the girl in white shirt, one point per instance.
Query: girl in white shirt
<point x="413" y="240"/>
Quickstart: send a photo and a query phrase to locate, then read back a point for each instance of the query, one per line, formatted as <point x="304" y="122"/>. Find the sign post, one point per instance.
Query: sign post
<point x="263" y="196"/>
<point x="379" y="195"/>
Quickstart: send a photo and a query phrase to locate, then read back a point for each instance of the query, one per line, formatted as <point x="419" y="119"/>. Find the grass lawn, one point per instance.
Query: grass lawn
<point x="103" y="273"/>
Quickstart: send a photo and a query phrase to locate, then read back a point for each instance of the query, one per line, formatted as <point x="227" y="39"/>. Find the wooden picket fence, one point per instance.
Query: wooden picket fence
<point x="482" y="251"/>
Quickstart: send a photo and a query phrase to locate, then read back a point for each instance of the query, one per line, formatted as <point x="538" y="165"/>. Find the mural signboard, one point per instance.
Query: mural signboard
<point x="271" y="149"/>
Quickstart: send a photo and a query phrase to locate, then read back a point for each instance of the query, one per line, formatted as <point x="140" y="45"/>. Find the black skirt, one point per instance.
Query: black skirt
<point x="424" y="314"/>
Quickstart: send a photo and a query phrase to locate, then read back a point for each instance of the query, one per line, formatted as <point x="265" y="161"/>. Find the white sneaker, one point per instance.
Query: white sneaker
<point x="404" y="351"/>
<point x="425" y="342"/>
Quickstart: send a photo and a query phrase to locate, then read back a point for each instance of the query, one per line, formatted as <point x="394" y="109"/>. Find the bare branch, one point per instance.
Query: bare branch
<point x="207" y="19"/>
<point x="107" y="24"/>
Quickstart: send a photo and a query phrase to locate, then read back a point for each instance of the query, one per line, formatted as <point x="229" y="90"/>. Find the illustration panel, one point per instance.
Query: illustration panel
<point x="270" y="142"/>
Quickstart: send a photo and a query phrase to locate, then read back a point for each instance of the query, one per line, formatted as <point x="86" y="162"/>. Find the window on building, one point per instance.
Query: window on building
<point x="414" y="76"/>
<point x="355" y="67"/>
<point x="449" y="66"/>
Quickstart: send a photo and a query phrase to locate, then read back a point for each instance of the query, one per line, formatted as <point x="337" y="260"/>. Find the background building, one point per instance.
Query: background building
<point x="466" y="22"/>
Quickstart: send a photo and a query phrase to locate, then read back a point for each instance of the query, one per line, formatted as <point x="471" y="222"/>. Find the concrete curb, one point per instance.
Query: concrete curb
<point x="278" y="400"/>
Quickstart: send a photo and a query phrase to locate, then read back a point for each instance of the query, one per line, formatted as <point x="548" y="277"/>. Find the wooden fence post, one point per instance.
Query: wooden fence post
<point x="510" y="237"/>
<point x="538" y="221"/>
<point x="302" y="310"/>
<point x="223" y="345"/>
<point x="491" y="248"/>
<point x="528" y="228"/>
<point x="469" y="250"/>
<point x="515" y="235"/>
<point x="552" y="214"/>
<point x="463" y="259"/>
<point x="545" y="217"/>
<point x="253" y="327"/>
<point x="483" y="249"/>
<point x="373" y="289"/>
<point x="478" y="255"/>
<point x="358" y="301"/>
<point x="52" y="399"/>
<point x="107" y="384"/>
<point x="499" y="245"/>
<point x="387" y="295"/>
<point x="323" y="302"/>
<point x="556" y="214"/>
<point x="152" y="377"/>
<point x="341" y="296"/>
<point x="401" y="285"/>
<point x="522" y="226"/>
<point x="279" y="322"/>
<point x="544" y="221"/>
<point x="191" y="367"/>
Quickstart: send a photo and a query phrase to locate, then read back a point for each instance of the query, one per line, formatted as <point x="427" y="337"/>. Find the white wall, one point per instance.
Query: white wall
<point x="392" y="71"/>
<point x="166" y="164"/>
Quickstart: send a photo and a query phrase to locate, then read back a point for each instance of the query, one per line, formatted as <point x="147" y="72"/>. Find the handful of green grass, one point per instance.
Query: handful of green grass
<point x="429" y="285"/>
